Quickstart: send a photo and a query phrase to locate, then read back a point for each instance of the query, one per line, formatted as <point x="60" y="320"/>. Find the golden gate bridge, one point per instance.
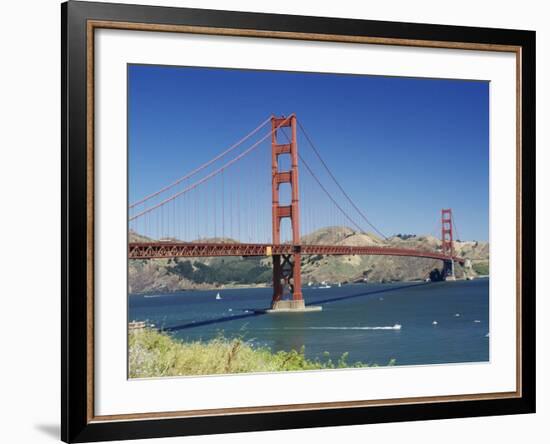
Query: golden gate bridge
<point x="231" y="206"/>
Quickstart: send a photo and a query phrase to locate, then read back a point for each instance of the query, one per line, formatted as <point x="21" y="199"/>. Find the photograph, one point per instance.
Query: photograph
<point x="285" y="221"/>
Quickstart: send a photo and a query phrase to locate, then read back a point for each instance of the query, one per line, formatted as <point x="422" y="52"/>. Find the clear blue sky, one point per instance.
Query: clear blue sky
<point x="402" y="147"/>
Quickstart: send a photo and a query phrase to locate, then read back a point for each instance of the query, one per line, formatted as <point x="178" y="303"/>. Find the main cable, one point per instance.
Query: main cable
<point x="338" y="183"/>
<point x="209" y="176"/>
<point x="203" y="166"/>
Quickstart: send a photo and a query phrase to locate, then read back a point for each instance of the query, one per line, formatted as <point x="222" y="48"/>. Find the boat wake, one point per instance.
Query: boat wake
<point x="389" y="327"/>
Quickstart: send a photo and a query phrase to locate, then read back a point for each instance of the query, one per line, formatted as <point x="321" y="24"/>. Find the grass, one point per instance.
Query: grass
<point x="156" y="354"/>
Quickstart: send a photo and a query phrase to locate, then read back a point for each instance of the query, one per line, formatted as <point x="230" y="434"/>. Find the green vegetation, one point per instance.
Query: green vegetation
<point x="156" y="354"/>
<point x="481" y="268"/>
<point x="168" y="275"/>
<point x="405" y="236"/>
<point x="223" y="270"/>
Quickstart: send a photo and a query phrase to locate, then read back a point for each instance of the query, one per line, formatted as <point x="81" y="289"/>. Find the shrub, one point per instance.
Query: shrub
<point x="156" y="354"/>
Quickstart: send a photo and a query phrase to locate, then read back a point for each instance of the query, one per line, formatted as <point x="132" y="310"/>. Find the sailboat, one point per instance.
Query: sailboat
<point x="218" y="297"/>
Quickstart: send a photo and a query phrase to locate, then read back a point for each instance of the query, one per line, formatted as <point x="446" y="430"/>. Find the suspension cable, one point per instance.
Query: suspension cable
<point x="338" y="183"/>
<point x="203" y="166"/>
<point x="328" y="194"/>
<point x="212" y="174"/>
<point x="455" y="227"/>
<point x="324" y="189"/>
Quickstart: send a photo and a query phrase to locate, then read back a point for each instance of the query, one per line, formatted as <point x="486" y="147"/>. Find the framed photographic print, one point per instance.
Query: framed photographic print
<point x="275" y="221"/>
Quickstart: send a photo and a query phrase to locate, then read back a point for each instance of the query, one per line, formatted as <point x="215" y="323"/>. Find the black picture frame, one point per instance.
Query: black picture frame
<point x="76" y="423"/>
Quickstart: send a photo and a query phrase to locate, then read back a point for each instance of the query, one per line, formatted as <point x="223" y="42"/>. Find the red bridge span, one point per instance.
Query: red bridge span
<point x="171" y="249"/>
<point x="182" y="211"/>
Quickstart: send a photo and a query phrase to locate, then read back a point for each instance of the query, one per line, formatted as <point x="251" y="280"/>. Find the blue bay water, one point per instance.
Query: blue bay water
<point x="361" y="320"/>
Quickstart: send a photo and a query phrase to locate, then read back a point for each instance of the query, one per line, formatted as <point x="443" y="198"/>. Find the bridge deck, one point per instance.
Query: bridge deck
<point x="164" y="250"/>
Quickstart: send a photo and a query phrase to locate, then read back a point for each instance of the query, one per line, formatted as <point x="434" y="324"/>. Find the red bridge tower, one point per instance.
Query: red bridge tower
<point x="447" y="247"/>
<point x="286" y="268"/>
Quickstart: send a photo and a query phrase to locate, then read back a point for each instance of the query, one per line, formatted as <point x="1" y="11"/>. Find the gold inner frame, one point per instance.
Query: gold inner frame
<point x="96" y="24"/>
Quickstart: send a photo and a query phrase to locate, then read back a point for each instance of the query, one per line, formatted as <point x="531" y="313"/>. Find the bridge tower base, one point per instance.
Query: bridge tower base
<point x="449" y="271"/>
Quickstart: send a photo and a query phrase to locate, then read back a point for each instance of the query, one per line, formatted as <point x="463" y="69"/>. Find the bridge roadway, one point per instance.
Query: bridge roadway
<point x="170" y="249"/>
